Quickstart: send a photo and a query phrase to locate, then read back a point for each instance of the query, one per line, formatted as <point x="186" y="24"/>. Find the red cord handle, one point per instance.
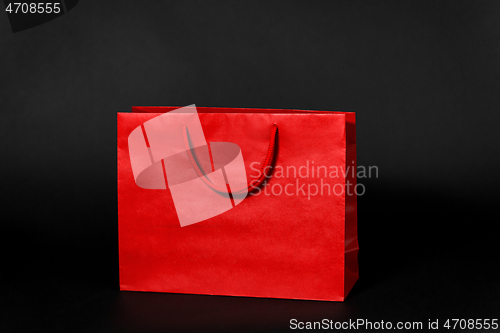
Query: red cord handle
<point x="253" y="183"/>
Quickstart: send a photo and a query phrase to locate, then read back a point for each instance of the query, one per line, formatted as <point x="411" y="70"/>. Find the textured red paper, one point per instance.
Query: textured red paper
<point x="280" y="246"/>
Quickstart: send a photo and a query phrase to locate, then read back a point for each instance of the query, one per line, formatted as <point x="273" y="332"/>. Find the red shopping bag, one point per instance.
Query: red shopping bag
<point x="242" y="202"/>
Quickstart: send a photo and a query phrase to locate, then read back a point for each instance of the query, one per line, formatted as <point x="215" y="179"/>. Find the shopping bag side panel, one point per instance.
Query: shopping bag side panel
<point x="351" y="233"/>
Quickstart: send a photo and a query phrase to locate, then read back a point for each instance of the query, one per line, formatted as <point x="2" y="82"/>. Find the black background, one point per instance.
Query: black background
<point x="422" y="76"/>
